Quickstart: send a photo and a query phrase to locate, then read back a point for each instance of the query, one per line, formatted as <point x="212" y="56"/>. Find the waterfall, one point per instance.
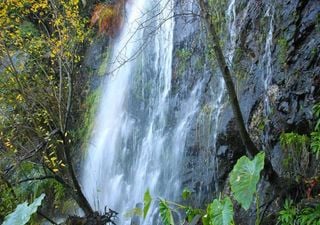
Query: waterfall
<point x="232" y="30"/>
<point x="140" y="133"/>
<point x="229" y="55"/>
<point x="209" y="118"/>
<point x="137" y="140"/>
<point x="267" y="61"/>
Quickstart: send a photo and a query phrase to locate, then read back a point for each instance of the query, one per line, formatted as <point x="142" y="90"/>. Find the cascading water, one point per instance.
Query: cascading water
<point x="212" y="112"/>
<point x="232" y="29"/>
<point x="140" y="134"/>
<point x="136" y="143"/>
<point x="267" y="60"/>
<point x="229" y="54"/>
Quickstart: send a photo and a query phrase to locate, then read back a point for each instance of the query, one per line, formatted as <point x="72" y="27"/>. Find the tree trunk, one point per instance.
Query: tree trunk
<point x="78" y="194"/>
<point x="251" y="148"/>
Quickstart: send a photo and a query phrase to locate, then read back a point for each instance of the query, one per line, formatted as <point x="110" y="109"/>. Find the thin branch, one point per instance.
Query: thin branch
<point x="46" y="217"/>
<point x="40" y="146"/>
<point x="36" y="179"/>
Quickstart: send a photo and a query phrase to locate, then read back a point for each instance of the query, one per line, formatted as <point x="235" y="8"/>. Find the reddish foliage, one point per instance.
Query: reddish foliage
<point x="108" y="17"/>
<point x="312" y="183"/>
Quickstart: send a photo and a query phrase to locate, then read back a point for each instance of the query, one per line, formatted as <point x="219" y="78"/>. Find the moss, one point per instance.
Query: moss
<point x="207" y="109"/>
<point x="262" y="125"/>
<point x="183" y="56"/>
<point x="239" y="70"/>
<point x="283" y="50"/>
<point x="218" y="16"/>
<point x="199" y="64"/>
<point x="296" y="153"/>
<point x="104" y="65"/>
<point x="90" y="107"/>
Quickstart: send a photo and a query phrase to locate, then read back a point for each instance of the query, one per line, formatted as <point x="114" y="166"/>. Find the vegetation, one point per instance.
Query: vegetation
<point x="291" y="142"/>
<point x="41" y="49"/>
<point x="294" y="214"/>
<point x="183" y="57"/>
<point x="315" y="135"/>
<point x="297" y="148"/>
<point x="243" y="181"/>
<point x="250" y="146"/>
<point x="296" y="153"/>
<point x="108" y="17"/>
<point x="23" y="212"/>
<point x="41" y="46"/>
<point x="283" y="50"/>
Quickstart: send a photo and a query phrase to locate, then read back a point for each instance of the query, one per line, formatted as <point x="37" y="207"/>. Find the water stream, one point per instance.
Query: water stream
<point x="267" y="61"/>
<point x="136" y="144"/>
<point x="139" y="135"/>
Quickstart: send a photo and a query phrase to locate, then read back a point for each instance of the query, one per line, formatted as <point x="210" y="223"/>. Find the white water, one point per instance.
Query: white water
<point x="267" y="57"/>
<point x="139" y="136"/>
<point x="229" y="56"/>
<point x="232" y="29"/>
<point x="267" y="78"/>
<point x="134" y="147"/>
<point x="218" y="91"/>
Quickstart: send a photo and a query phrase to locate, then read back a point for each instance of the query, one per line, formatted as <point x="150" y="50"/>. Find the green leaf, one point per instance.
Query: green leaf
<point x="186" y="193"/>
<point x="205" y="220"/>
<point x="244" y="178"/>
<point x="191" y="213"/>
<point x="23" y="212"/>
<point x="146" y="203"/>
<point x="165" y="213"/>
<point x="28" y="28"/>
<point x="220" y="212"/>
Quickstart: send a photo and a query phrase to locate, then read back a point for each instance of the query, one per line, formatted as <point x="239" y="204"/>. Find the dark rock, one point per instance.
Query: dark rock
<point x="284" y="107"/>
<point x="293" y="89"/>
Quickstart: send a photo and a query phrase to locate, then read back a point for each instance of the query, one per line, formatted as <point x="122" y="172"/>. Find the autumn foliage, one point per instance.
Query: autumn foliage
<point x="108" y="17"/>
<point x="41" y="44"/>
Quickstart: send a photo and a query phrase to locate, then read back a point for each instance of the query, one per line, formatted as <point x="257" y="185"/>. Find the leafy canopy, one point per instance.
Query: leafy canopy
<point x="40" y="53"/>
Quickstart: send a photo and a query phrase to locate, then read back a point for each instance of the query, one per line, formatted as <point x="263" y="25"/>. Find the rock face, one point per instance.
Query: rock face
<point x="276" y="70"/>
<point x="283" y="103"/>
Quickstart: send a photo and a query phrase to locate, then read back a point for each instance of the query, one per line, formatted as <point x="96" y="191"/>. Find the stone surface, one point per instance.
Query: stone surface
<point x="293" y="90"/>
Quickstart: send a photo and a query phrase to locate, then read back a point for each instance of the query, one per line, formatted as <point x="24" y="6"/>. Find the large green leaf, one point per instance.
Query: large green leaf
<point x="244" y="178"/>
<point x="165" y="213"/>
<point x="23" y="212"/>
<point x="146" y="203"/>
<point x="220" y="212"/>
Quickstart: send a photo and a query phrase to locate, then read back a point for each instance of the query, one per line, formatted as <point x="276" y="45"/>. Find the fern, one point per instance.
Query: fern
<point x="310" y="216"/>
<point x="287" y="215"/>
<point x="315" y="143"/>
<point x="315" y="136"/>
<point x="291" y="214"/>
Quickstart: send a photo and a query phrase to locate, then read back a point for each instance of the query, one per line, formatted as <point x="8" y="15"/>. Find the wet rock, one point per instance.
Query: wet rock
<point x="284" y="107"/>
<point x="293" y="90"/>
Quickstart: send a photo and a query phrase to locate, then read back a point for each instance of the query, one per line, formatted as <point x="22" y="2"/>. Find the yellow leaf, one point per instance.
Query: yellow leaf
<point x="53" y="159"/>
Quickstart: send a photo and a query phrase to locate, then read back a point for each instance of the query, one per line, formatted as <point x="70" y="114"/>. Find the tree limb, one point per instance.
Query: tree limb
<point x="251" y="148"/>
